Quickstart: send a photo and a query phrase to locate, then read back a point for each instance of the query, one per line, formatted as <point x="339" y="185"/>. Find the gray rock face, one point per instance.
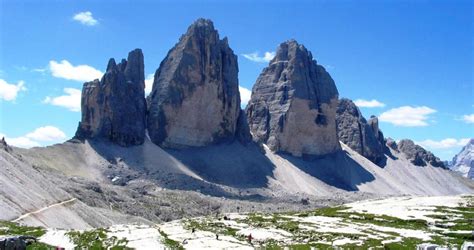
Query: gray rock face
<point x="418" y="155"/>
<point x="293" y="104"/>
<point x="114" y="108"/>
<point x="4" y="145"/>
<point x="357" y="133"/>
<point x="391" y="143"/>
<point x="195" y="99"/>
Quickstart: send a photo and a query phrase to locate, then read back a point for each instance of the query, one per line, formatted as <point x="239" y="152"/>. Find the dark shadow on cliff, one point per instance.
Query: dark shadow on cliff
<point x="192" y="169"/>
<point x="337" y="170"/>
<point x="230" y="164"/>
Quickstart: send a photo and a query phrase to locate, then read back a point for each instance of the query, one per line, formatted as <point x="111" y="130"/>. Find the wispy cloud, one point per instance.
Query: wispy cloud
<point x="369" y="104"/>
<point x="149" y="83"/>
<point x="468" y="118"/>
<point x="443" y="144"/>
<point x="85" y="18"/>
<point x="9" y="91"/>
<point x="66" y="70"/>
<point x="407" y="116"/>
<point x="245" y="95"/>
<point x="267" y="56"/>
<point x="35" y="137"/>
<point x="71" y="100"/>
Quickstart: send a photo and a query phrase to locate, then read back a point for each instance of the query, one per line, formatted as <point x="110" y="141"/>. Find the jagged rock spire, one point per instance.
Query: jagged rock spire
<point x="114" y="108"/>
<point x="293" y="104"/>
<point x="195" y="99"/>
<point x="357" y="133"/>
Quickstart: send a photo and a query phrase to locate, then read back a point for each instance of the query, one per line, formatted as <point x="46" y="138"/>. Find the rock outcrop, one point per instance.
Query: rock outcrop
<point x="114" y="108"/>
<point x="4" y="145"/>
<point x="195" y="99"/>
<point x="391" y="143"/>
<point x="357" y="133"/>
<point x="418" y="155"/>
<point x="293" y="104"/>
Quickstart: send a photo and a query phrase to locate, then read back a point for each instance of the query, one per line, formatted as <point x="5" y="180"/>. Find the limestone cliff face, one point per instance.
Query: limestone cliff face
<point x="293" y="104"/>
<point x="195" y="99"/>
<point x="114" y="108"/>
<point x="359" y="134"/>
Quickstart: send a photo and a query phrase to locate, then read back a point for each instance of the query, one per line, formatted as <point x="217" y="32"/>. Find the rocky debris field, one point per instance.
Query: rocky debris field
<point x="393" y="223"/>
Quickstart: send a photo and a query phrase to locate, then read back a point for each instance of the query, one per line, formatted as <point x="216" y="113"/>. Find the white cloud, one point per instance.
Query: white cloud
<point x="66" y="70"/>
<point x="149" y="83"/>
<point x="407" y="116"/>
<point x="468" y="118"/>
<point x="9" y="91"/>
<point x="244" y="95"/>
<point x="444" y="144"/>
<point x="85" y="18"/>
<point x="268" y="56"/>
<point x="369" y="104"/>
<point x="46" y="133"/>
<point x="71" y="101"/>
<point x="33" y="139"/>
<point x="22" y="142"/>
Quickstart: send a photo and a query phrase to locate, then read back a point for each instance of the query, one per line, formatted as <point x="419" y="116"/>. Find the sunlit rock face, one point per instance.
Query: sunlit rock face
<point x="293" y="104"/>
<point x="114" y="108"/>
<point x="195" y="99"/>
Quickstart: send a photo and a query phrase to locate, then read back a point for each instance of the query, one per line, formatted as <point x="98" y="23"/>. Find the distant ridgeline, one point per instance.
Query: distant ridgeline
<point x="195" y="102"/>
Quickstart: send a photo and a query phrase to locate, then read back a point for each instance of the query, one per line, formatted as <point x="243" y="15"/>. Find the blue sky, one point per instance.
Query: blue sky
<point x="415" y="59"/>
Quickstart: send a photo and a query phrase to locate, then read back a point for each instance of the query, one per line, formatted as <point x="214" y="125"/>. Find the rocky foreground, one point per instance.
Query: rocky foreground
<point x="393" y="223"/>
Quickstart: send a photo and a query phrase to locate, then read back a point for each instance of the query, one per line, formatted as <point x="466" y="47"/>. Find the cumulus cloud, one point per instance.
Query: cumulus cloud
<point x="46" y="133"/>
<point x="267" y="56"/>
<point x="407" y="116"/>
<point x="369" y="104"/>
<point x="149" y="83"/>
<point x="71" y="100"/>
<point x="85" y="18"/>
<point x="9" y="91"/>
<point x="244" y="95"/>
<point x="66" y="70"/>
<point x="468" y="118"/>
<point x="443" y="144"/>
<point x="34" y="138"/>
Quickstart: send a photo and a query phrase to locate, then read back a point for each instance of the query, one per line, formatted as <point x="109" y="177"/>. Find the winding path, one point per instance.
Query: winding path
<point x="44" y="209"/>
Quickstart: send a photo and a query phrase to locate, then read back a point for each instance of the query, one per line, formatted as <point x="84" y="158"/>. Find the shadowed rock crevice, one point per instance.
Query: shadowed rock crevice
<point x="293" y="104"/>
<point x="114" y="108"/>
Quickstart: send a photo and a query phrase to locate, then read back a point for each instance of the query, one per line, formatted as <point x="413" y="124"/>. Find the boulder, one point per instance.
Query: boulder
<point x="114" y="108"/>
<point x="357" y="133"/>
<point x="293" y="104"/>
<point x="195" y="99"/>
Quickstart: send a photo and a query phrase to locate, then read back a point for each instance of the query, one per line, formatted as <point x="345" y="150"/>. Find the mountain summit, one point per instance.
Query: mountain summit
<point x="293" y="104"/>
<point x="195" y="99"/>
<point x="463" y="162"/>
<point x="114" y="108"/>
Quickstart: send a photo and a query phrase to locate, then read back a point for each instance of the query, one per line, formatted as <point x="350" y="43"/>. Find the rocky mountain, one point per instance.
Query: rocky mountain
<point x="418" y="155"/>
<point x="114" y="108"/>
<point x="195" y="99"/>
<point x="359" y="134"/>
<point x="463" y="162"/>
<point x="293" y="104"/>
<point x="182" y="170"/>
